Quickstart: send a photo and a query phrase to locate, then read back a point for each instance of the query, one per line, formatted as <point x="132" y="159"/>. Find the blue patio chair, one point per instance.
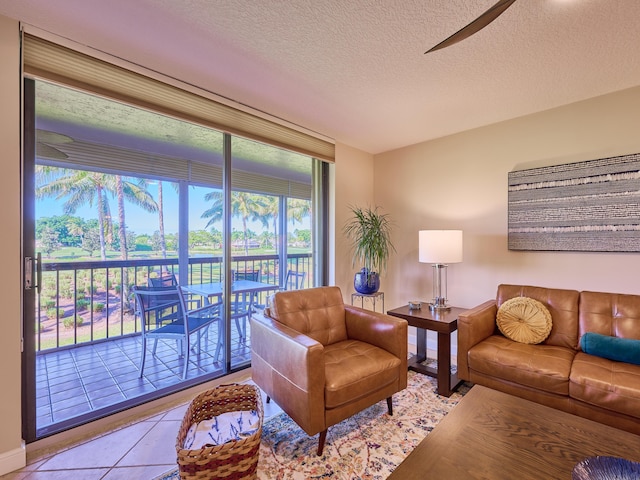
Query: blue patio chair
<point x="294" y="280"/>
<point x="151" y="302"/>
<point x="242" y="303"/>
<point x="165" y="279"/>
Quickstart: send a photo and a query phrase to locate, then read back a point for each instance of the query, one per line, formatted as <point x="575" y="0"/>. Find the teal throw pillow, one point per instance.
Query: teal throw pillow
<point x="614" y="348"/>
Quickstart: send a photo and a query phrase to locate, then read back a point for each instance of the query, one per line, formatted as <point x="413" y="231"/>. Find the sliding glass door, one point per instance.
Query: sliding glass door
<point x="120" y="197"/>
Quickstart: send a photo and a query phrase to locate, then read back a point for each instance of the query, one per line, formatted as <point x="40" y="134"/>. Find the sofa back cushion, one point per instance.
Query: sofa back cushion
<point x="562" y="304"/>
<point x="315" y="312"/>
<point x="611" y="314"/>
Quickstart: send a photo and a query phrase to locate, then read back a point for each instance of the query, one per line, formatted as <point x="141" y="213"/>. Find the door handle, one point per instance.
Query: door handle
<point x="28" y="272"/>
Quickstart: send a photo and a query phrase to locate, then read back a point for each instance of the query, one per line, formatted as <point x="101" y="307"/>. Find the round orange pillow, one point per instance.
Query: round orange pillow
<point x="524" y="320"/>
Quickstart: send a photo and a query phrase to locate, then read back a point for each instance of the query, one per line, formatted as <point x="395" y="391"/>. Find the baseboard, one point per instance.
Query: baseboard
<point x="13" y="459"/>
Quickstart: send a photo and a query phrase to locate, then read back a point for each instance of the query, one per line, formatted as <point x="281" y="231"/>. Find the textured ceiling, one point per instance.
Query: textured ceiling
<point x="356" y="70"/>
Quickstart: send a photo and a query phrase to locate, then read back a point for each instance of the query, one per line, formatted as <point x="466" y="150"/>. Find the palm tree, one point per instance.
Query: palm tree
<point x="243" y="204"/>
<point x="81" y="187"/>
<point x="271" y="212"/>
<point x="297" y="209"/>
<point x="137" y="194"/>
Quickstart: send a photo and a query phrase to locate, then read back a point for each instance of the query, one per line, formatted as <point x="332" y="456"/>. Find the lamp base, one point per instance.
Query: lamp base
<point x="439" y="304"/>
<point x="439" y="308"/>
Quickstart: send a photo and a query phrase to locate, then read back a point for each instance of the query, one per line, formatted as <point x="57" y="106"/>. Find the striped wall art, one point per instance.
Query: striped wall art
<point x="591" y="206"/>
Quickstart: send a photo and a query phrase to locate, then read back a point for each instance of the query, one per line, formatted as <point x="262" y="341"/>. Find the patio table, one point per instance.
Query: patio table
<point x="211" y="290"/>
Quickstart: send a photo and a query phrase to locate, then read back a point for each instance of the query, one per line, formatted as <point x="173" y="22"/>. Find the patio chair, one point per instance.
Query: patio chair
<point x="155" y="304"/>
<point x="294" y="280"/>
<point x="241" y="310"/>
<point x="253" y="275"/>
<point x="165" y="279"/>
<point x="242" y="303"/>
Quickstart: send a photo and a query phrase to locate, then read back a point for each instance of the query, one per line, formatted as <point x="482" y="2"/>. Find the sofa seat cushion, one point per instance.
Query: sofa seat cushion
<point x="543" y="367"/>
<point x="606" y="383"/>
<point x="354" y="369"/>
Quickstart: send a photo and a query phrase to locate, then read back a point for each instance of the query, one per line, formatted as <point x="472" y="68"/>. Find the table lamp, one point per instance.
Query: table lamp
<point x="440" y="247"/>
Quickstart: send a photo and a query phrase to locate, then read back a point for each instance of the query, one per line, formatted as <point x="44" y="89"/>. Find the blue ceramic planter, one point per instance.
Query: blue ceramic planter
<point x="366" y="282"/>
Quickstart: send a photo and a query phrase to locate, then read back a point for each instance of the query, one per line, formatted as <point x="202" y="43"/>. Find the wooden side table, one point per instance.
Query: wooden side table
<point x="373" y="297"/>
<point x="445" y="323"/>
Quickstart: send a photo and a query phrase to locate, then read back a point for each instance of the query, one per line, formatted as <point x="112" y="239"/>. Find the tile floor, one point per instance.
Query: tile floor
<point x="71" y="382"/>
<point x="140" y="450"/>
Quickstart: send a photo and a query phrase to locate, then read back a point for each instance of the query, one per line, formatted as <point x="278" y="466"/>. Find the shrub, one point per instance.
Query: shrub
<point x="51" y="313"/>
<point x="98" y="307"/>
<point x="82" y="303"/>
<point x="48" y="303"/>
<point x="69" y="321"/>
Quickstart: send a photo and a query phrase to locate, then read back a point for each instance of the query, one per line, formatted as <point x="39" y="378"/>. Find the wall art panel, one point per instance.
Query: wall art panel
<point x="591" y="206"/>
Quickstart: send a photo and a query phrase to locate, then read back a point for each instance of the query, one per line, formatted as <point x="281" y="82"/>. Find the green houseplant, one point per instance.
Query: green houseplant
<point x="369" y="232"/>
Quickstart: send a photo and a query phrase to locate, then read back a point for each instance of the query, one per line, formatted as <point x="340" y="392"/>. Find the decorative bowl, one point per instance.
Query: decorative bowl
<point x="415" y="304"/>
<point x="606" y="468"/>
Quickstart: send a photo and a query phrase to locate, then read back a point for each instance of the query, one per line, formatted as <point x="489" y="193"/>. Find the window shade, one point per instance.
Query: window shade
<point x="54" y="62"/>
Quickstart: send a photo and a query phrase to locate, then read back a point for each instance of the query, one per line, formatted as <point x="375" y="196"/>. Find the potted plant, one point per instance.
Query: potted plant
<point x="369" y="232"/>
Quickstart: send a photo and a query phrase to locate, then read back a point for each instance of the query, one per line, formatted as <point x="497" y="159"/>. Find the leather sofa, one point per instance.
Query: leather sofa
<point x="557" y="372"/>
<point x="323" y="361"/>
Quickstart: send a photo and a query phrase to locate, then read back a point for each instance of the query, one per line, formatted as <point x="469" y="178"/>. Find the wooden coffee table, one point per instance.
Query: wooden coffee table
<point x="492" y="435"/>
<point x="444" y="322"/>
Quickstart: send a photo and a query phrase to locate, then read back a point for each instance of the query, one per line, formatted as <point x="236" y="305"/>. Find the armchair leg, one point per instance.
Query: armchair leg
<point x="390" y="405"/>
<point x="321" y="440"/>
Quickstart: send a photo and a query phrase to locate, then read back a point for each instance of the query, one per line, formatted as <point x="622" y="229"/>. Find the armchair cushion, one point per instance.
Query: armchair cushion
<point x="315" y="312"/>
<point x="354" y="369"/>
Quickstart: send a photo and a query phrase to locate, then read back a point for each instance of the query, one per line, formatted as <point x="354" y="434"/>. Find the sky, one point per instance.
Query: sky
<point x="142" y="222"/>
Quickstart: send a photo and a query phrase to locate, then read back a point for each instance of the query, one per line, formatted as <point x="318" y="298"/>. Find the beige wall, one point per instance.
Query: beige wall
<point x="460" y="182"/>
<point x="11" y="452"/>
<point x="353" y="187"/>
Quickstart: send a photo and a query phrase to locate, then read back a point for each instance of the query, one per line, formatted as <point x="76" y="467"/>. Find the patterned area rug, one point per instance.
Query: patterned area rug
<point x="369" y="445"/>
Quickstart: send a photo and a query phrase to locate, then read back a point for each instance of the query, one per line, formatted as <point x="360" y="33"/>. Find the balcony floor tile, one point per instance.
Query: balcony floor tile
<point x="78" y="380"/>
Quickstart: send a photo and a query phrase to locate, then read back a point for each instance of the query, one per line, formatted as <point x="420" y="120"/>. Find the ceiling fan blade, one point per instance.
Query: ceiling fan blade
<point x="478" y="24"/>
<point x="47" y="151"/>
<point x="52" y="137"/>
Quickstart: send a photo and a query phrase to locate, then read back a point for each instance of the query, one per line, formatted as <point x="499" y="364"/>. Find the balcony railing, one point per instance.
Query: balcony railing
<point x="84" y="302"/>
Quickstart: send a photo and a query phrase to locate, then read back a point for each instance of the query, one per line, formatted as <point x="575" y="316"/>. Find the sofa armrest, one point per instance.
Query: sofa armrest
<point x="474" y="325"/>
<point x="289" y="367"/>
<point x="384" y="331"/>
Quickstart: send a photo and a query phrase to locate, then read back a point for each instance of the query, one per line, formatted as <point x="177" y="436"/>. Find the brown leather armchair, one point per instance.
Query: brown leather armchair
<point x="323" y="361"/>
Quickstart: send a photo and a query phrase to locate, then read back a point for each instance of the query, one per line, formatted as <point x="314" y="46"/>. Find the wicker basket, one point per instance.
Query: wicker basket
<point x="232" y="460"/>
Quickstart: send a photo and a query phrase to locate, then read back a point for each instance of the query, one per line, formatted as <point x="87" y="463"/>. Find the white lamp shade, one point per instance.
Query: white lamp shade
<point x="440" y="246"/>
